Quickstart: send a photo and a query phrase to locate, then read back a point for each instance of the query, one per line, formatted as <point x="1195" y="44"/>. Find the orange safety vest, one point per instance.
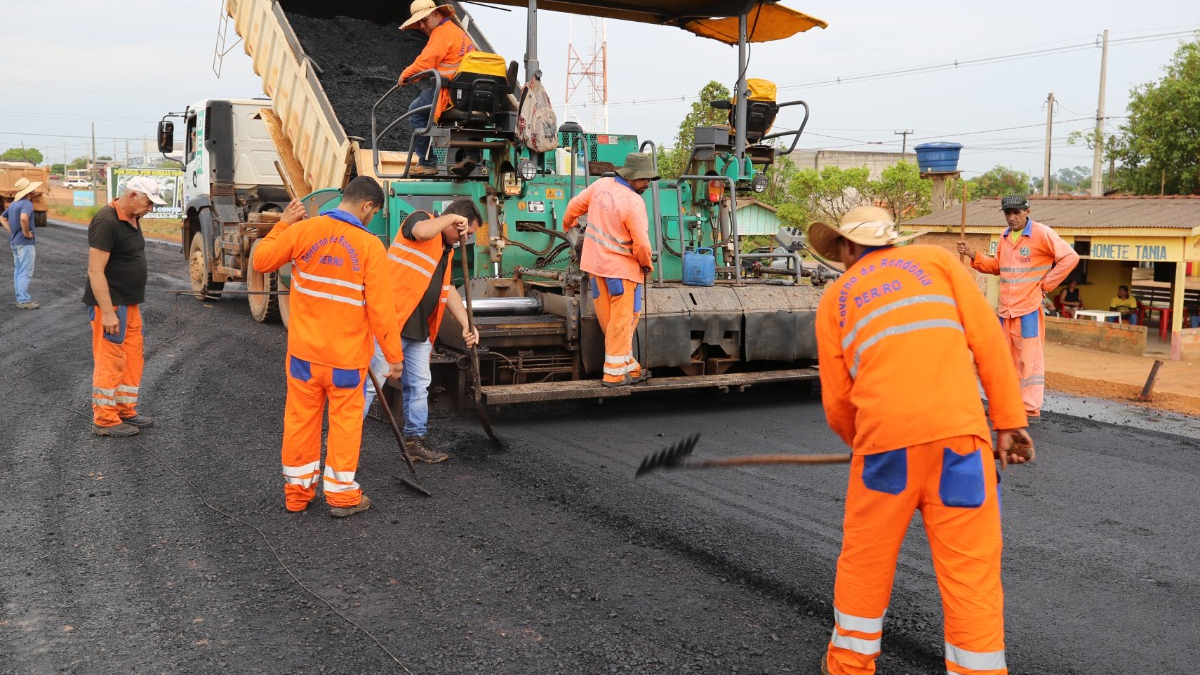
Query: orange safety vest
<point x="899" y="336"/>
<point x="414" y="263"/>
<point x="340" y="294"/>
<point x="447" y="46"/>
<point x="1036" y="264"/>
<point x="617" y="234"/>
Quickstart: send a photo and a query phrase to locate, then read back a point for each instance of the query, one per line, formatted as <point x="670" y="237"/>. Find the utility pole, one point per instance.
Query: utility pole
<point x="904" y="142"/>
<point x="92" y="165"/>
<point x="1097" y="179"/>
<point x="1049" y="126"/>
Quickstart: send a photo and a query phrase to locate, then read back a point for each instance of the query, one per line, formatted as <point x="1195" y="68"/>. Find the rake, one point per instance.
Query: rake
<point x="678" y="456"/>
<point x="391" y="418"/>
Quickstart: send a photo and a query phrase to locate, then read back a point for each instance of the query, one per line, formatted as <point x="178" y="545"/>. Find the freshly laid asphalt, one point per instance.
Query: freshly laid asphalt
<point x="172" y="552"/>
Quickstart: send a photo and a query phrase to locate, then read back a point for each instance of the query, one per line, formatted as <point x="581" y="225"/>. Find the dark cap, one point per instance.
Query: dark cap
<point x="1014" y="203"/>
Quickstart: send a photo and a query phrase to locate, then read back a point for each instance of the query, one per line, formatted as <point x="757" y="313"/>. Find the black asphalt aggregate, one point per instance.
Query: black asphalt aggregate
<point x="171" y="552"/>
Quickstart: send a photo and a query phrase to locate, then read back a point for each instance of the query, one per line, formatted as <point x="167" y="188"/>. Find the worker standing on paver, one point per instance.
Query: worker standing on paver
<point x="420" y="260"/>
<point x="340" y="296"/>
<point x="616" y="253"/>
<point x="899" y="337"/>
<point x="1031" y="260"/>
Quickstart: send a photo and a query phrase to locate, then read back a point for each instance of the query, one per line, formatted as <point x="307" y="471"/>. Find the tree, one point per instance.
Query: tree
<point x="31" y="155"/>
<point x="78" y="163"/>
<point x="830" y="192"/>
<point x="901" y="190"/>
<point x="998" y="182"/>
<point x="672" y="162"/>
<point x="1158" y="147"/>
<point x="58" y="169"/>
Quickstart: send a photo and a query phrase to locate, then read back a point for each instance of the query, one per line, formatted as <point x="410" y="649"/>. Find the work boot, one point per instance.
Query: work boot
<point x="463" y="168"/>
<point x="825" y="664"/>
<point x="343" y="511"/>
<point x="28" y="305"/>
<point x="642" y="376"/>
<point x="422" y="170"/>
<point x="118" y="431"/>
<point x="625" y="382"/>
<point x="419" y="450"/>
<point x="139" y="421"/>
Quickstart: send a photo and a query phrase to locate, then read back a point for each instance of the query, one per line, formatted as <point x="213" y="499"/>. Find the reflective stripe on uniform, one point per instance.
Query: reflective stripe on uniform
<point x="424" y="272"/>
<point x="128" y="389"/>
<point x="1036" y="379"/>
<point x="126" y="399"/>
<point x="327" y="296"/>
<point x="605" y="244"/>
<point x="906" y="302"/>
<point x="304" y="475"/>
<point x="346" y="477"/>
<point x="857" y="624"/>
<point x="101" y="391"/>
<point x="975" y="660"/>
<point x="415" y="252"/>
<point x="857" y="645"/>
<point x="330" y="280"/>
<point x="1026" y="270"/>
<point x="900" y="330"/>
<point x="1023" y="280"/>
<point x="103" y="401"/>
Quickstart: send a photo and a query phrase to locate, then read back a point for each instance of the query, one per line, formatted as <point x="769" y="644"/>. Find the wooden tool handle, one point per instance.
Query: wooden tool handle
<point x="756" y="460"/>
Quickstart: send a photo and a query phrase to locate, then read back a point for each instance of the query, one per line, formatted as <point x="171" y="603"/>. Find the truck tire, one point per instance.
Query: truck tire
<point x="39" y="219"/>
<point x="285" y="307"/>
<point x="202" y="284"/>
<point x="264" y="308"/>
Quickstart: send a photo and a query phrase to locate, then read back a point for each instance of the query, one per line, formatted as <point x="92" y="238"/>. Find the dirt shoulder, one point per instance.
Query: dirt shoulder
<point x="1083" y="372"/>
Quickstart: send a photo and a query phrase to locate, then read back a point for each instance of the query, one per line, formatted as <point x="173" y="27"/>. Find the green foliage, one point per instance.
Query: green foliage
<point x="58" y="169"/>
<point x="901" y="190"/>
<point x="828" y="193"/>
<point x="998" y="182"/>
<point x="104" y="158"/>
<point x="32" y="155"/>
<point x="671" y="162"/>
<point x="78" y="163"/>
<point x="1158" y="147"/>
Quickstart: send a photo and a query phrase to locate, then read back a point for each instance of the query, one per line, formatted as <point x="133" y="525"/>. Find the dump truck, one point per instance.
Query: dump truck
<point x="11" y="172"/>
<point x="336" y="112"/>
<point x="232" y="195"/>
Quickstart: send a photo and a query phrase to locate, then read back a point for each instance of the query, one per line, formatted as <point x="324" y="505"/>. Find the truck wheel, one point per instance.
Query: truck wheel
<point x="39" y="219"/>
<point x="264" y="308"/>
<point x="285" y="307"/>
<point x="202" y="284"/>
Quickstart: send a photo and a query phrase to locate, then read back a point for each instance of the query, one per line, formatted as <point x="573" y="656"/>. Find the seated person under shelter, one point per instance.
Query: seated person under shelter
<point x="1126" y="304"/>
<point x="1069" y="300"/>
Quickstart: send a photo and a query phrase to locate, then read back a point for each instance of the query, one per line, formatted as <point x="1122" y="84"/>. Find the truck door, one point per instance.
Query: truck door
<point x="195" y="170"/>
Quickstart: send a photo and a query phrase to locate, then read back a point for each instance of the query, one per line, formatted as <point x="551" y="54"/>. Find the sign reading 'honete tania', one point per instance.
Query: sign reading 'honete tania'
<point x="1130" y="251"/>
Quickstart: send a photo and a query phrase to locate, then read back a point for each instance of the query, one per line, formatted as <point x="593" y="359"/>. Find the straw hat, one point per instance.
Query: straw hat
<point x="865" y="225"/>
<point x="638" y="165"/>
<point x="420" y="9"/>
<point x="24" y="187"/>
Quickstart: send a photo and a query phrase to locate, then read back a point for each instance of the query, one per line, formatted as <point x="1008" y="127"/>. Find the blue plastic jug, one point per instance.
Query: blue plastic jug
<point x="699" y="267"/>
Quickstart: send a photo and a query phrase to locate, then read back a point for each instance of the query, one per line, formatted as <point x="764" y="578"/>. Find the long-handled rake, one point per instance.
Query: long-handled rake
<point x="480" y="410"/>
<point x="387" y="412"/>
<point x="678" y="456"/>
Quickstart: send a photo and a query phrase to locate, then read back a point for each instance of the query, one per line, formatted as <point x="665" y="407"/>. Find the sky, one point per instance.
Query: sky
<point x="879" y="68"/>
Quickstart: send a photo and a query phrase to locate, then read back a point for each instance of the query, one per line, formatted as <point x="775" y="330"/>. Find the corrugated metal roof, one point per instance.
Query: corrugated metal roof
<point x="1078" y="213"/>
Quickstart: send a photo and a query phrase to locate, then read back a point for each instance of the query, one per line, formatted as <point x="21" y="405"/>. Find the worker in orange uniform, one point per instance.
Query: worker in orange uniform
<point x="340" y="297"/>
<point x="1032" y="260"/>
<point x="616" y="253"/>
<point x="899" y="337"/>
<point x="421" y="260"/>
<point x="447" y="45"/>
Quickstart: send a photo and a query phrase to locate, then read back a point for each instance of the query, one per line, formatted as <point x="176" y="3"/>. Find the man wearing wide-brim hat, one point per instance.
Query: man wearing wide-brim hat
<point x="899" y="338"/>
<point x="448" y="44"/>
<point x="616" y="253"/>
<point x="18" y="220"/>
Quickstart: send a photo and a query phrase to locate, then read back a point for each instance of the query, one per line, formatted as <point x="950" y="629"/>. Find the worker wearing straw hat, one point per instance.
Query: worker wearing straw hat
<point x="17" y="219"/>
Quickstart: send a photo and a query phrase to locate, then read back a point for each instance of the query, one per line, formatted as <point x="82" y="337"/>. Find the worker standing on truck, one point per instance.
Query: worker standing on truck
<point x="17" y="220"/>
<point x="1031" y="260"/>
<point x="340" y="296"/>
<point x="447" y="45"/>
<point x="114" y="293"/>
<point x="897" y="337"/>
<point x="420" y="262"/>
<point x="616" y="253"/>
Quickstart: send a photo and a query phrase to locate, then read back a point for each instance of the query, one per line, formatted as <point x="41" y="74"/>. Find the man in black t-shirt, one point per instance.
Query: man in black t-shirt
<point x="114" y="293"/>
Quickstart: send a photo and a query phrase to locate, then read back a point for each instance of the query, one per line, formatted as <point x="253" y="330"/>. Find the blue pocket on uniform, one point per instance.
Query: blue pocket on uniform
<point x="637" y="298"/>
<point x="346" y="379"/>
<point x="122" y="320"/>
<point x="1030" y="324"/>
<point x="886" y="471"/>
<point x="299" y="369"/>
<point x="962" y="479"/>
<point x="595" y="288"/>
<point x="615" y="287"/>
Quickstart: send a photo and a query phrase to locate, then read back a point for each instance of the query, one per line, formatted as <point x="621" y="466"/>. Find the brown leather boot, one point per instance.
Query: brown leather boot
<point x="419" y="450"/>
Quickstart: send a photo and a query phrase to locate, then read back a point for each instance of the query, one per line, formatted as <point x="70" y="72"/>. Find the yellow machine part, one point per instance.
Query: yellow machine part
<point x="483" y="63"/>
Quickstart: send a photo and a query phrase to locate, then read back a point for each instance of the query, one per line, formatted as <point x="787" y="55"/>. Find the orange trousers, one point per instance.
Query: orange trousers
<point x="1027" y="341"/>
<point x="117" y="372"/>
<point x="310" y="386"/>
<point x="618" y="309"/>
<point x="953" y="483"/>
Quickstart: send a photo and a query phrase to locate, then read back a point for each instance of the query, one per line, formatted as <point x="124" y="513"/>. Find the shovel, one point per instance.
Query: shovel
<point x="387" y="412"/>
<point x="679" y="456"/>
<point x="480" y="410"/>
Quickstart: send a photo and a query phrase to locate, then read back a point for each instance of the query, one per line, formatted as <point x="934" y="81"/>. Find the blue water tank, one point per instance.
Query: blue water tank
<point x="938" y="157"/>
<point x="699" y="267"/>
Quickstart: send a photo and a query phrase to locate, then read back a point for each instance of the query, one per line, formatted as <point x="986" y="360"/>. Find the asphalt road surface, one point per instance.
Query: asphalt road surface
<point x="172" y="552"/>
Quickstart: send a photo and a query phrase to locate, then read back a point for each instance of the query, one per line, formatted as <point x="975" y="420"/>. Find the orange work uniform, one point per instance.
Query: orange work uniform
<point x="1030" y="267"/>
<point x="118" y="358"/>
<point x="340" y="297"/>
<point x="616" y="253"/>
<point x="412" y="275"/>
<point x="899" y="337"/>
<point x="447" y="46"/>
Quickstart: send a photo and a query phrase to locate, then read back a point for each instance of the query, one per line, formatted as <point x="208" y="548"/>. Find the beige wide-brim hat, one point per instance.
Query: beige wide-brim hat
<point x="638" y="165"/>
<point x="420" y="9"/>
<point x="24" y="187"/>
<point x="865" y="225"/>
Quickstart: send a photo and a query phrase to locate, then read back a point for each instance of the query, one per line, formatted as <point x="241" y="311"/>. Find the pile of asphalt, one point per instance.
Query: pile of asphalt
<point x="359" y="61"/>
